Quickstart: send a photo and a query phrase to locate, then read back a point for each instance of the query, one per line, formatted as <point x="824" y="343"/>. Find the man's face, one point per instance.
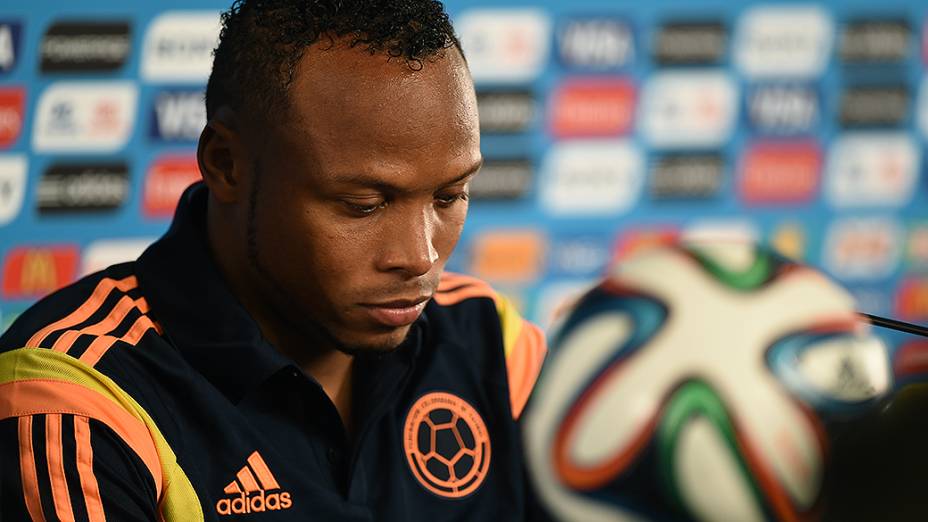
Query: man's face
<point x="361" y="192"/>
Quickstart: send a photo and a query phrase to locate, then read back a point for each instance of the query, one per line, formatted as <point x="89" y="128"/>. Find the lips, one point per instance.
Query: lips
<point x="397" y="312"/>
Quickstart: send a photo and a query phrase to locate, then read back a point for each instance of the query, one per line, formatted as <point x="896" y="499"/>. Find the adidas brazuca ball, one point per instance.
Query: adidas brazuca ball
<point x="699" y="381"/>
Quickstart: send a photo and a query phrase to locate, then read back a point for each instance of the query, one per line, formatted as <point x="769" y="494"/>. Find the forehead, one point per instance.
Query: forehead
<point x="348" y="96"/>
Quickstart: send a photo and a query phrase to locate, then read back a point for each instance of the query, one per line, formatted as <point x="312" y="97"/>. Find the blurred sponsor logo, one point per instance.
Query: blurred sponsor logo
<point x="912" y="299"/>
<point x="724" y="230"/>
<point x="502" y="179"/>
<point x="12" y="113"/>
<point x="178" y="115"/>
<point x="871" y="300"/>
<point x="83" y="188"/>
<point x="32" y="272"/>
<point x="84" y="46"/>
<point x="505" y="111"/>
<point x="504" y="45"/>
<point x="780" y="172"/>
<point x="168" y="178"/>
<point x="688" y="109"/>
<point x="872" y="169"/>
<point x="592" y="177"/>
<point x="874" y="106"/>
<point x="917" y="245"/>
<point x="10" y="33"/>
<point x="107" y="252"/>
<point x="690" y="43"/>
<point x="911" y="359"/>
<point x="923" y="105"/>
<point x="876" y="41"/>
<point x="785" y="41"/>
<point x="85" y="117"/>
<point x="592" y="107"/>
<point x="578" y="256"/>
<point x="863" y="248"/>
<point x="789" y="239"/>
<point x="925" y="43"/>
<point x="783" y="109"/>
<point x="599" y="43"/>
<point x="686" y="176"/>
<point x="635" y="240"/>
<point x="12" y="187"/>
<point x="510" y="256"/>
<point x="179" y="46"/>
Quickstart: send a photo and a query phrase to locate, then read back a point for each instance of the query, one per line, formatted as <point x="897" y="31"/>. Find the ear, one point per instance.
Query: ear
<point x="222" y="158"/>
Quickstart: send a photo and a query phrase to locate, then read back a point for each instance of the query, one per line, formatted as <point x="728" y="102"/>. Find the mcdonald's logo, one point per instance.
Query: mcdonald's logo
<point x="32" y="272"/>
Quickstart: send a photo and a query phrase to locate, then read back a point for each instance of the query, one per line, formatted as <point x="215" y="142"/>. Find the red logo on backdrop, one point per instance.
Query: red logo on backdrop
<point x="638" y="239"/>
<point x="786" y="172"/>
<point x="592" y="107"/>
<point x="12" y="111"/>
<point x="167" y="179"/>
<point x="32" y="272"/>
<point x="912" y="300"/>
<point x="911" y="360"/>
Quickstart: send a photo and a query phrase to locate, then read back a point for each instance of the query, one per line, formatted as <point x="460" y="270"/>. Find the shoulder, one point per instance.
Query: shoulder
<point x="87" y="318"/>
<point x="477" y="307"/>
<point x="49" y="370"/>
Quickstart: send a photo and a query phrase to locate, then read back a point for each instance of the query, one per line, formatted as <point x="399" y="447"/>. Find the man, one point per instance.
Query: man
<point x="290" y="349"/>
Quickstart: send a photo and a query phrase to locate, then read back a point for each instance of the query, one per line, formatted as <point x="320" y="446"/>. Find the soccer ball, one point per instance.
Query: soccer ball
<point x="699" y="381"/>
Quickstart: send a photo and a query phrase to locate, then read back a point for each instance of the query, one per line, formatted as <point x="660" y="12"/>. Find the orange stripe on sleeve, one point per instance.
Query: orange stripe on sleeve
<point x="97" y="349"/>
<point x="51" y="396"/>
<point x="89" y="486"/>
<point x="469" y="292"/>
<point x="264" y="474"/>
<point x="523" y="365"/>
<point x="83" y="312"/>
<point x="100" y="345"/>
<point x="27" y="470"/>
<point x="452" y="280"/>
<point x="110" y="322"/>
<point x="53" y="452"/>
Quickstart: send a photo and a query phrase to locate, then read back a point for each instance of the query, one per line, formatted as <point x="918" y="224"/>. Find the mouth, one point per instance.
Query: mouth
<point x="397" y="312"/>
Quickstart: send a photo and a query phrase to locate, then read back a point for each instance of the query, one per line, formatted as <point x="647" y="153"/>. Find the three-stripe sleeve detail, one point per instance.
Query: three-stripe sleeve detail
<point x="109" y="315"/>
<point x="57" y="468"/>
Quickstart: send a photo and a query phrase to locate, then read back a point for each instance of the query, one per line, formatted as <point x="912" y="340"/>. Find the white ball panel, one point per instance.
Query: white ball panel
<point x="709" y="478"/>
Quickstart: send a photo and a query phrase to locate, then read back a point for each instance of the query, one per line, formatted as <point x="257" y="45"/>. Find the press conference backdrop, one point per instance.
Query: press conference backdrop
<point x="606" y="125"/>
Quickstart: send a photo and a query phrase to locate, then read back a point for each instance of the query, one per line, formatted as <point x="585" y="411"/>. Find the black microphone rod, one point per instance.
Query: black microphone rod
<point x="894" y="324"/>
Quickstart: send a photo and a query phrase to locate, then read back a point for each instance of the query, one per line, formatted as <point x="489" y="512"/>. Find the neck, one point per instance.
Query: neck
<point x="334" y="371"/>
<point x="316" y="356"/>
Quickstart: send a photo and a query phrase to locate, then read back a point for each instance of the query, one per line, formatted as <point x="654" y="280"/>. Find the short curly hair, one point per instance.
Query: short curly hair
<point x="262" y="41"/>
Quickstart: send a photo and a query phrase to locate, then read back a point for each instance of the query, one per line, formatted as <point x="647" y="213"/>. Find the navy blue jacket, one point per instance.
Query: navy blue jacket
<point x="145" y="391"/>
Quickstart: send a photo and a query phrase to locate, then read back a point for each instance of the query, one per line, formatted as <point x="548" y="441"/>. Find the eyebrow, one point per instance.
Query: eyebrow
<point x="368" y="181"/>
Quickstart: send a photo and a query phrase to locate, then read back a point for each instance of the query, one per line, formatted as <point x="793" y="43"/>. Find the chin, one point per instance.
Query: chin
<point x="377" y="344"/>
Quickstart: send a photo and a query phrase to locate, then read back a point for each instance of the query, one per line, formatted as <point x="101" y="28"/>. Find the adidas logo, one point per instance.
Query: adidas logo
<point x="252" y="486"/>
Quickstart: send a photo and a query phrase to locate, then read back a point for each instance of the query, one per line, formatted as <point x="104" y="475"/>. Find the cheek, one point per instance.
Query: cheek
<point x="291" y="239"/>
<point x="449" y="231"/>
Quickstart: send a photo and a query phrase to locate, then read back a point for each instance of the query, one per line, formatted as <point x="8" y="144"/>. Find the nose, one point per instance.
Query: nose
<point x="410" y="246"/>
